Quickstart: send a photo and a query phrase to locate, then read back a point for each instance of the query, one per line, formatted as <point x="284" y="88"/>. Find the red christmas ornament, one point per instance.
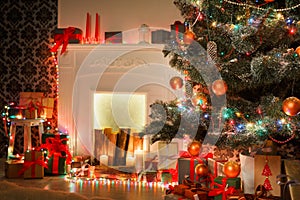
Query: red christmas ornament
<point x="176" y="82"/>
<point x="291" y="106"/>
<point x="194" y="148"/>
<point x="219" y="87"/>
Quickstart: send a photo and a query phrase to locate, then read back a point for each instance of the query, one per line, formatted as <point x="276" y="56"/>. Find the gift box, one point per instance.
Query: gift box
<point x="167" y="154"/>
<point x="174" y="197"/>
<point x="234" y="182"/>
<point x="221" y="184"/>
<point x="46" y="109"/>
<point x="160" y="36"/>
<point x="31" y="113"/>
<point x="251" y="172"/>
<point x="30" y="99"/>
<point x="180" y="189"/>
<point x="34" y="164"/>
<point x="165" y="176"/>
<point x="113" y="37"/>
<point x="57" y="153"/>
<point x="186" y="168"/>
<point x="293" y="173"/>
<point x="193" y="193"/>
<point x="75" y="37"/>
<point x="215" y="166"/>
<point x="12" y="168"/>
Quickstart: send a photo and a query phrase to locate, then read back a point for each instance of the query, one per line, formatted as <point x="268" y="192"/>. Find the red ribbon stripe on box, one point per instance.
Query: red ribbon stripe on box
<point x="55" y="146"/>
<point x="27" y="164"/>
<point x="222" y="189"/>
<point x="186" y="154"/>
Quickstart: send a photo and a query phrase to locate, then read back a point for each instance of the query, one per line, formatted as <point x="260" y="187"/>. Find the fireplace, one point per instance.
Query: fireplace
<point x="110" y="85"/>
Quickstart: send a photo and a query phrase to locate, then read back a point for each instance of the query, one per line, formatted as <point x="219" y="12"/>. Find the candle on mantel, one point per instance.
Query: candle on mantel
<point x="139" y="159"/>
<point x="130" y="161"/>
<point x="104" y="160"/>
<point x="97" y="28"/>
<point x="88" y="27"/>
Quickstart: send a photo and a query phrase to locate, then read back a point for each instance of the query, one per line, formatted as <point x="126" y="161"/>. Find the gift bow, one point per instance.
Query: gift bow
<point x="55" y="146"/>
<point x="27" y="164"/>
<point x="63" y="40"/>
<point x="222" y="189"/>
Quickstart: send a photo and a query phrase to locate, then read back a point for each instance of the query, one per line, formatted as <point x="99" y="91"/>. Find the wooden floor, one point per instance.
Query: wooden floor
<point x="106" y="189"/>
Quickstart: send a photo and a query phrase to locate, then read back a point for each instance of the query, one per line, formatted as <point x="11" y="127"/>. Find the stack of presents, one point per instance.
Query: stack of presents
<point x="48" y="156"/>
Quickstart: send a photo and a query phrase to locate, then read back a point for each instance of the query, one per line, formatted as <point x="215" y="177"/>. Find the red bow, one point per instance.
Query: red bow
<point x="56" y="146"/>
<point x="222" y="189"/>
<point x="27" y="164"/>
<point x="63" y="39"/>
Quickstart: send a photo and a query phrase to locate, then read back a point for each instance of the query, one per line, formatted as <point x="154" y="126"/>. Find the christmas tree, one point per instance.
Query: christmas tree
<point x="241" y="67"/>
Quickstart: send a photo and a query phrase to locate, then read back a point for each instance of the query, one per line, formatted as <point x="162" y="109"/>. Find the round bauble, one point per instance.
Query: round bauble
<point x="194" y="148"/>
<point x="199" y="99"/>
<point x="232" y="169"/>
<point x="176" y="82"/>
<point x="291" y="106"/>
<point x="297" y="51"/>
<point x="219" y="87"/>
<point x="201" y="170"/>
<point x="189" y="36"/>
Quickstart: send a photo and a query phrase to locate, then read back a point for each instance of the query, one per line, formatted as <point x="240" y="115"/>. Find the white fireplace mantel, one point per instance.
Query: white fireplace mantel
<point x="85" y="69"/>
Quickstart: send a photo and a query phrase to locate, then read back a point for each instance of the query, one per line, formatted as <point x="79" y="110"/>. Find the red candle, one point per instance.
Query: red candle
<point x="87" y="28"/>
<point x="97" y="28"/>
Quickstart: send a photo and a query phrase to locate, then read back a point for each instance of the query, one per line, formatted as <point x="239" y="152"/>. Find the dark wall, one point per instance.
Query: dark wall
<point x="26" y="35"/>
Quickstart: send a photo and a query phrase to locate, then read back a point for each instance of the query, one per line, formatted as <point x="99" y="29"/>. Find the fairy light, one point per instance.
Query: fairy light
<point x="260" y="8"/>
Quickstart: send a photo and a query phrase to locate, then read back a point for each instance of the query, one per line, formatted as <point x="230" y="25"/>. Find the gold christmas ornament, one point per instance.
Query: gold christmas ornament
<point x="194" y="148"/>
<point x="232" y="169"/>
<point x="201" y="170"/>
<point x="291" y="106"/>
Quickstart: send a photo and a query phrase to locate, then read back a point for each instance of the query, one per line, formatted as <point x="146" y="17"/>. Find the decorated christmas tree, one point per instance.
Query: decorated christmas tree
<point x="241" y="69"/>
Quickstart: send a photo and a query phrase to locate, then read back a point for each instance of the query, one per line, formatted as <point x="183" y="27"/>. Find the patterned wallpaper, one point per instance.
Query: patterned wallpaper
<point x="26" y="35"/>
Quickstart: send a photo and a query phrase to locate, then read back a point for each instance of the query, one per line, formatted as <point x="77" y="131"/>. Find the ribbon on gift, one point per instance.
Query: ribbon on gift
<point x="27" y="164"/>
<point x="63" y="39"/>
<point x="56" y="146"/>
<point x="185" y="154"/>
<point x="40" y="108"/>
<point x="222" y="189"/>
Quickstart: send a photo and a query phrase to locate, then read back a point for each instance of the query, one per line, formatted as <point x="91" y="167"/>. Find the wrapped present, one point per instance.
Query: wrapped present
<point x="186" y="166"/>
<point x="31" y="113"/>
<point x="65" y="36"/>
<point x="293" y="175"/>
<point x="215" y="166"/>
<point x="57" y="152"/>
<point x="180" y="189"/>
<point x="160" y="36"/>
<point x="74" y="38"/>
<point x="234" y="182"/>
<point x="150" y="176"/>
<point x="167" y="175"/>
<point x="177" y="30"/>
<point x="167" y="154"/>
<point x="194" y="193"/>
<point x="222" y="187"/>
<point x="113" y="37"/>
<point x="34" y="165"/>
<point x="251" y="172"/>
<point x="174" y="197"/>
<point x="45" y="110"/>
<point x="12" y="167"/>
<point x="30" y="99"/>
